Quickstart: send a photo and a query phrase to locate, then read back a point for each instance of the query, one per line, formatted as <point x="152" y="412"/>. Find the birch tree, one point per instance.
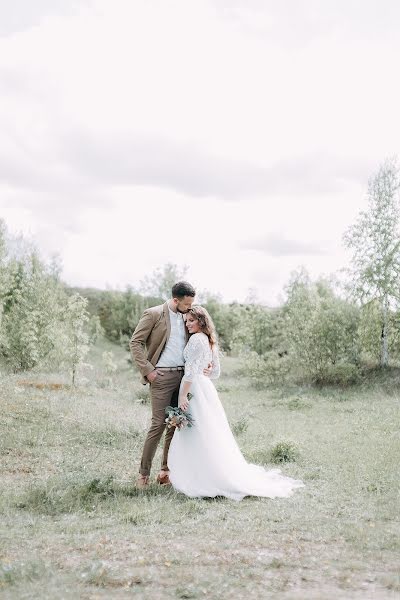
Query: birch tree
<point x="32" y="305"/>
<point x="73" y="338"/>
<point x="375" y="243"/>
<point x="160" y="282"/>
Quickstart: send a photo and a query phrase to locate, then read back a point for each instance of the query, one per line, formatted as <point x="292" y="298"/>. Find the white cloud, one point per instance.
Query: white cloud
<point x="278" y="245"/>
<point x="20" y="15"/>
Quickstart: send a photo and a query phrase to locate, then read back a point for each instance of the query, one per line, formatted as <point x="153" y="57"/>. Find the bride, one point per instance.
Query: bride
<point x="205" y="460"/>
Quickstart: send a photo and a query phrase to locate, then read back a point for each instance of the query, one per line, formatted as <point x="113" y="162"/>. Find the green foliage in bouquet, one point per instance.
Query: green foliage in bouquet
<point x="178" y="418"/>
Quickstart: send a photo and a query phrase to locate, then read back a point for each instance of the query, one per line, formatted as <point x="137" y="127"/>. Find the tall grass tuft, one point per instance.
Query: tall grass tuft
<point x="284" y="452"/>
<point x="70" y="496"/>
<point x="51" y="499"/>
<point x="17" y="573"/>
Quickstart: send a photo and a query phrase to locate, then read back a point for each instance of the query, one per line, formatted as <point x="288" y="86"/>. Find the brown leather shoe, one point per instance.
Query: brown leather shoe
<point x="142" y="481"/>
<point x="163" y="478"/>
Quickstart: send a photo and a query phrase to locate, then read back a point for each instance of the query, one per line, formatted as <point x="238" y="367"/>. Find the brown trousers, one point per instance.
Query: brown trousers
<point x="164" y="392"/>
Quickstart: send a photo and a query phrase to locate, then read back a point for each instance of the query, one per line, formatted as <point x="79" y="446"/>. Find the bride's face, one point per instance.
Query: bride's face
<point x="192" y="324"/>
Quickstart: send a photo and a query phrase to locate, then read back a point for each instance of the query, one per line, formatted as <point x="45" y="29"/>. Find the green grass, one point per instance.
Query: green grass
<point x="73" y="524"/>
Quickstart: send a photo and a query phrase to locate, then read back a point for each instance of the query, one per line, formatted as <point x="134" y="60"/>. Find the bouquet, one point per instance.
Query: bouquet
<point x="178" y="418"/>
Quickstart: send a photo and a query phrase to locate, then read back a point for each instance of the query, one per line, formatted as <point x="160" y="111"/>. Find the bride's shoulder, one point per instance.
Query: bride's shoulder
<point x="195" y="338"/>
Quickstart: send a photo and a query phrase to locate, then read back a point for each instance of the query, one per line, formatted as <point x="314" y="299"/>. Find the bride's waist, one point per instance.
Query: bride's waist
<point x="197" y="377"/>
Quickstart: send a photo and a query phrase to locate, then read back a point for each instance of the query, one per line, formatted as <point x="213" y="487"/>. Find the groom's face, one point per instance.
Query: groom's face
<point x="183" y="304"/>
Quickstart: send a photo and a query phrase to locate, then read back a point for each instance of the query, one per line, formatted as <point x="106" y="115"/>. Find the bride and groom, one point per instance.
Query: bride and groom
<point x="177" y="356"/>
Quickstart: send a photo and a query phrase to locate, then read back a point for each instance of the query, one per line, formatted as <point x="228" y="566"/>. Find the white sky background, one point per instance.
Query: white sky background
<point x="233" y="137"/>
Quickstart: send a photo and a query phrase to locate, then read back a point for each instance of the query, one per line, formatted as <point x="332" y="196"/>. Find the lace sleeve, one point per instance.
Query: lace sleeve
<point x="195" y="357"/>
<point x="216" y="367"/>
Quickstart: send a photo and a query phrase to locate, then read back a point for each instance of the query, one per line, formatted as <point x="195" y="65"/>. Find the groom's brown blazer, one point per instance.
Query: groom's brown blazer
<point x="149" y="338"/>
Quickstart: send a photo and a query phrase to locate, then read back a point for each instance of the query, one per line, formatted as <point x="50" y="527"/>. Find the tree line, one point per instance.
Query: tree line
<point x="323" y="332"/>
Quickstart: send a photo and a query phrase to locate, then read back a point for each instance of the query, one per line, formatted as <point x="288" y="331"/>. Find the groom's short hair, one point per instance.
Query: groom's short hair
<point x="182" y="289"/>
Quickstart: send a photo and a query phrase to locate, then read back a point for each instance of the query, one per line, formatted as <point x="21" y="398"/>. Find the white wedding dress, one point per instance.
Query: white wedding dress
<point x="205" y="460"/>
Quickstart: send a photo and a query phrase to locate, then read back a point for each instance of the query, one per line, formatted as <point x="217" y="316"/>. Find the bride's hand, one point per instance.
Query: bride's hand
<point x="183" y="403"/>
<point x="208" y="370"/>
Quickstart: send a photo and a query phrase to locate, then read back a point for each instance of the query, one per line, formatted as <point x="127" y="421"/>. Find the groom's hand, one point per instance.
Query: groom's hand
<point x="153" y="375"/>
<point x="208" y="370"/>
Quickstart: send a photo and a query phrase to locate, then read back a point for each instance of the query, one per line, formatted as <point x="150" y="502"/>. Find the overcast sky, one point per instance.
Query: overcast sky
<point x="235" y="137"/>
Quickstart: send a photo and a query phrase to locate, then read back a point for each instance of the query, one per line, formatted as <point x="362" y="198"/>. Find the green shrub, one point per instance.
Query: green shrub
<point x="284" y="452"/>
<point x="270" y="369"/>
<point x="339" y="374"/>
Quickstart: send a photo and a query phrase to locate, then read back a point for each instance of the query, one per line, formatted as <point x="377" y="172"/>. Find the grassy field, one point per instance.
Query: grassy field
<point x="73" y="525"/>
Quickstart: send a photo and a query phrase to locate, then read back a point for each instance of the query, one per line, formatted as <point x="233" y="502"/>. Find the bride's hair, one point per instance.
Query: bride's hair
<point x="205" y="323"/>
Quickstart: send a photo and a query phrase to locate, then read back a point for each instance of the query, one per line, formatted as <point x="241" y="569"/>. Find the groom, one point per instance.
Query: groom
<point x="157" y="348"/>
